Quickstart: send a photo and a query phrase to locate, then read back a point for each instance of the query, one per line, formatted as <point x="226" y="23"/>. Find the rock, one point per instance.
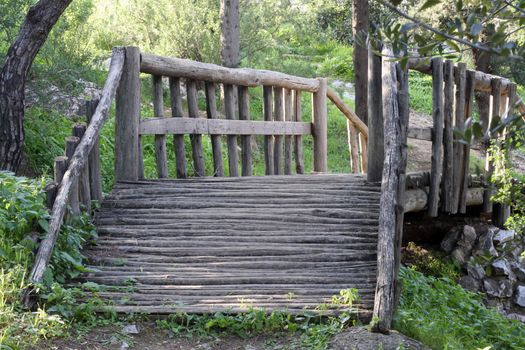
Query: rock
<point x="358" y="338"/>
<point x="519" y="271"/>
<point x="130" y="329"/>
<point x="469" y="283"/>
<point x="124" y="346"/>
<point x="504" y="236"/>
<point x="449" y="242"/>
<point x="485" y="245"/>
<point x="464" y="245"/>
<point x="476" y="271"/>
<point x="501" y="267"/>
<point x="516" y="317"/>
<point x="460" y="256"/>
<point x="519" y="297"/>
<point x="498" y="289"/>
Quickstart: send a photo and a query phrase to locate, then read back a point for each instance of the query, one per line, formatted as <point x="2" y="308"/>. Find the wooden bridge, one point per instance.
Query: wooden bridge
<point x="204" y="242"/>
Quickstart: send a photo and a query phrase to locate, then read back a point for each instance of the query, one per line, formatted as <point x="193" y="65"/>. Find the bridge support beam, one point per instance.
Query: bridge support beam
<point x="376" y="147"/>
<point x="320" y="127"/>
<point x="127" y="151"/>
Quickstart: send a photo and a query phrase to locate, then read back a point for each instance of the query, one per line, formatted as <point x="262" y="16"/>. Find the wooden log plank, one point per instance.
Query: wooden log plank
<point x="127" y="117"/>
<point x="288" y="138"/>
<point x="465" y="162"/>
<point x="178" y="139"/>
<point x="216" y="145"/>
<point x="278" y="116"/>
<point x="160" y="139"/>
<point x="229" y="111"/>
<point x="447" y="188"/>
<point x="246" y="140"/>
<point x="375" y="147"/>
<point x="298" y="141"/>
<point x="95" y="180"/>
<point x="320" y="127"/>
<point x="83" y="180"/>
<point x="268" y="139"/>
<point x="79" y="158"/>
<point x="437" y="136"/>
<point x="74" y="198"/>
<point x="176" y="67"/>
<point x="196" y="139"/>
<point x="386" y="246"/>
<point x="460" y="81"/>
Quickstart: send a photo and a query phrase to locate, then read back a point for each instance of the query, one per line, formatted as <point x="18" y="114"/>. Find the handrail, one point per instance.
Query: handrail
<point x="182" y="68"/>
<point x="349" y="114"/>
<point x="76" y="164"/>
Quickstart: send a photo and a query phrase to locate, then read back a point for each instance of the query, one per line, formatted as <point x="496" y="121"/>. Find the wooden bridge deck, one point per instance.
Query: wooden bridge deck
<point x="228" y="244"/>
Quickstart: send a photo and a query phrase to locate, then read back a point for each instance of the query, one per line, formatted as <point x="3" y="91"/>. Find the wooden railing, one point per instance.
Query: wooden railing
<point x="77" y="174"/>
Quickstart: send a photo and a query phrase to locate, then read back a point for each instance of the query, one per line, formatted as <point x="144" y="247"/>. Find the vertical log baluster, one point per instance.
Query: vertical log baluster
<point x="298" y="145"/>
<point x="160" y="140"/>
<point x="196" y="139"/>
<point x="268" y="139"/>
<point x="288" y="138"/>
<point x="178" y="140"/>
<point x="460" y="79"/>
<point x="71" y="145"/>
<point x="278" y="116"/>
<point x="211" y="110"/>
<point x="83" y="179"/>
<point x="375" y="146"/>
<point x="352" y="146"/>
<point x="229" y="110"/>
<point x="94" y="157"/>
<point x="437" y="136"/>
<point x="320" y="127"/>
<point x="465" y="164"/>
<point x="447" y="188"/>
<point x="363" y="153"/>
<point x="246" y="140"/>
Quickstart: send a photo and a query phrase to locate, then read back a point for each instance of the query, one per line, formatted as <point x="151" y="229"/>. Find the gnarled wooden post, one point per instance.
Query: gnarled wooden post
<point x="128" y="118"/>
<point x="320" y="127"/>
<point x="376" y="148"/>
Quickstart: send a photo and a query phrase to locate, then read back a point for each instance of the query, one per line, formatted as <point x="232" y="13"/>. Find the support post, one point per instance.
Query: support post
<point x="320" y="127"/>
<point x="376" y="147"/>
<point x="94" y="157"/>
<point x="128" y="118"/>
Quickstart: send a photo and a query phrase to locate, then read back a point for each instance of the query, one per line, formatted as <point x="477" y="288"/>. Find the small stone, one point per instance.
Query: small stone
<point x="519" y="271"/>
<point x="501" y="267"/>
<point x="460" y="256"/>
<point x="468" y="237"/>
<point x="476" y="271"/>
<point x="130" y="329"/>
<point x="504" y="236"/>
<point x="485" y="245"/>
<point x="469" y="283"/>
<point x="519" y="297"/>
<point x="124" y="346"/>
<point x="451" y="238"/>
<point x="498" y="289"/>
<point x="516" y="317"/>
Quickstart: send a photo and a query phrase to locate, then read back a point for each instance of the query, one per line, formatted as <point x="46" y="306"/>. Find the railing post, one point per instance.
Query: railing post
<point x="320" y="127"/>
<point x="376" y="147"/>
<point x="127" y="119"/>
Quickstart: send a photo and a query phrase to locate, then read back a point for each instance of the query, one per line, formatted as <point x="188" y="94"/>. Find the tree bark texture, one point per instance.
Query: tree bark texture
<point x="230" y="33"/>
<point x="39" y="21"/>
<point x="360" y="24"/>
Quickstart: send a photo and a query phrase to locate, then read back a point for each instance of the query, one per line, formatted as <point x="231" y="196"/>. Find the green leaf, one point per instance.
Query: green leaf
<point x="44" y="224"/>
<point x="476" y="28"/>
<point x="429" y="4"/>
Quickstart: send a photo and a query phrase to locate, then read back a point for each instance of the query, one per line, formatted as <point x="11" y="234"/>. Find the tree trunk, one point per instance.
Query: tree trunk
<point x="482" y="61"/>
<point x="360" y="25"/>
<point x="230" y="33"/>
<point x="39" y="21"/>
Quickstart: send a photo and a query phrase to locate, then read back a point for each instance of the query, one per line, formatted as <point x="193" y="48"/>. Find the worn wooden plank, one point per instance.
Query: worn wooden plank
<point x="268" y="139"/>
<point x="127" y="117"/>
<point x="229" y="111"/>
<point x="178" y="139"/>
<point x="246" y="140"/>
<point x="160" y="139"/>
<point x="447" y="188"/>
<point x="83" y="180"/>
<point x="298" y="141"/>
<point x="288" y="138"/>
<point x="320" y="127"/>
<point x="196" y="139"/>
<point x="465" y="162"/>
<point x="95" y="180"/>
<point x="182" y="68"/>
<point x="437" y="136"/>
<point x="376" y="148"/>
<point x="278" y="116"/>
<point x="460" y="81"/>
<point x="216" y="145"/>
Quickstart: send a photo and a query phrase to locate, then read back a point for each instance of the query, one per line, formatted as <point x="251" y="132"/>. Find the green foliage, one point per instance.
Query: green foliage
<point x="443" y="315"/>
<point x="431" y="263"/>
<point x="420" y="91"/>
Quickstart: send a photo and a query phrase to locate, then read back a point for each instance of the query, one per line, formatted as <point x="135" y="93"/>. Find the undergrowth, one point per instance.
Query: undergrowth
<point x="443" y="315"/>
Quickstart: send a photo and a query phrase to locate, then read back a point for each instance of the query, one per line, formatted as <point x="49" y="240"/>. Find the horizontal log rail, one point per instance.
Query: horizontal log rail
<point x="179" y="126"/>
<point x="75" y="167"/>
<point x="182" y="68"/>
